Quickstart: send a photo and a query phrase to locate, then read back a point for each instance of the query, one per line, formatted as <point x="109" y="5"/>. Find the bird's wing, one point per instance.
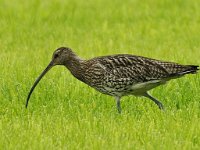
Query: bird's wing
<point x="126" y="70"/>
<point x="135" y="68"/>
<point x="142" y="69"/>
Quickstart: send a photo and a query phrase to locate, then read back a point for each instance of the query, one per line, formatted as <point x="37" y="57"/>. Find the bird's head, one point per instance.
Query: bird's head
<point x="61" y="56"/>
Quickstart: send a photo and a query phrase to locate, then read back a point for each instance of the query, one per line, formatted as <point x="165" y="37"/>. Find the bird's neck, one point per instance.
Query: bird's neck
<point x="75" y="67"/>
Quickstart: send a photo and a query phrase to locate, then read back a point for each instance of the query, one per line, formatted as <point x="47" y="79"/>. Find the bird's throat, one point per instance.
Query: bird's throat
<point x="75" y="67"/>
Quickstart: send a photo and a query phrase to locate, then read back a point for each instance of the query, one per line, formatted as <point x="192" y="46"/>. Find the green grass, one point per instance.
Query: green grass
<point x="64" y="113"/>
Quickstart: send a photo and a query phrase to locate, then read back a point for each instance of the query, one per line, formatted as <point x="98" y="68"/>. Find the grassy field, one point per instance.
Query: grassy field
<point x="64" y="113"/>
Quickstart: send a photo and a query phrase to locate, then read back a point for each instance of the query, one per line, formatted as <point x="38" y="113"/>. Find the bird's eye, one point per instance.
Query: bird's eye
<point x="56" y="55"/>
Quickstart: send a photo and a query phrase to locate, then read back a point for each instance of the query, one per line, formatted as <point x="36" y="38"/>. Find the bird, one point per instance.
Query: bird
<point x="118" y="75"/>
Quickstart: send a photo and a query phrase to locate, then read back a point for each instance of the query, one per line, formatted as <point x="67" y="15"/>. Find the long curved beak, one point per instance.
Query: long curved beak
<point x="38" y="80"/>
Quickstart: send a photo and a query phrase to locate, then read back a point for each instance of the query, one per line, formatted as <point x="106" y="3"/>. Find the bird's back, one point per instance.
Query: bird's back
<point x="119" y="73"/>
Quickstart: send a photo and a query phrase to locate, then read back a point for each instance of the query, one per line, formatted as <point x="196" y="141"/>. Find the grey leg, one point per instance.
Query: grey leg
<point x="160" y="105"/>
<point x="118" y="104"/>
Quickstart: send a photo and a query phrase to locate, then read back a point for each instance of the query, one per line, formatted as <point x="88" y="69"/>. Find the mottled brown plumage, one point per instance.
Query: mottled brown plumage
<point x="118" y="75"/>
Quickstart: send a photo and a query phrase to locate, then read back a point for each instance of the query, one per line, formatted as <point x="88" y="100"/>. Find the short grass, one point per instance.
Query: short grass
<point x="64" y="113"/>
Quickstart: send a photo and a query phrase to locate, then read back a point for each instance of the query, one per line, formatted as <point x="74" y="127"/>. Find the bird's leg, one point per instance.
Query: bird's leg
<point x="118" y="104"/>
<point x="160" y="105"/>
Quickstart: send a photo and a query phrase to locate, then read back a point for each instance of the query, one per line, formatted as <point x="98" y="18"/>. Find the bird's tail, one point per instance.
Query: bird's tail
<point x="185" y="69"/>
<point x="190" y="69"/>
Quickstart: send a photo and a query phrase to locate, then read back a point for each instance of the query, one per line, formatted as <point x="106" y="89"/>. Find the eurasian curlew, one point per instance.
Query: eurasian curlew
<point x="118" y="75"/>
